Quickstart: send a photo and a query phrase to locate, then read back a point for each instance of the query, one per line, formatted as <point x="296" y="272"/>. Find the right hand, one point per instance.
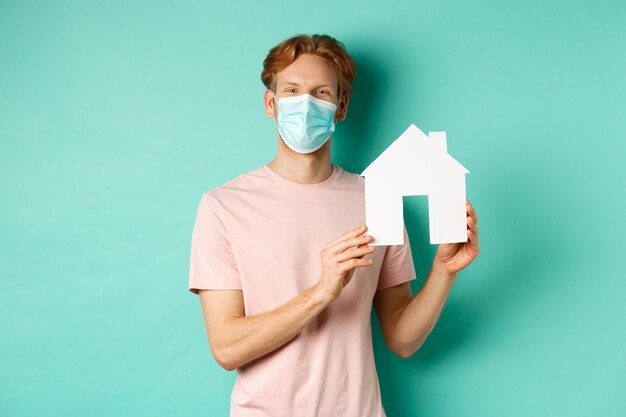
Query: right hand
<point x="339" y="259"/>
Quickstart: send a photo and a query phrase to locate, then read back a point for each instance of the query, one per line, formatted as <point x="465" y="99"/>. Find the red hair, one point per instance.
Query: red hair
<point x="285" y="53"/>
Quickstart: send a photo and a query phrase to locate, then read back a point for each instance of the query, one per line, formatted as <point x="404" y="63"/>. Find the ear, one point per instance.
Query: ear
<point x="342" y="108"/>
<point x="269" y="103"/>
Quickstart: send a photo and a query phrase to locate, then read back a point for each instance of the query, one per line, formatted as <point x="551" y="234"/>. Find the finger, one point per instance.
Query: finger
<point x="349" y="243"/>
<point x="352" y="233"/>
<point x="471" y="211"/>
<point x="354" y="253"/>
<point x="473" y="240"/>
<point x="355" y="263"/>
<point x="471" y="224"/>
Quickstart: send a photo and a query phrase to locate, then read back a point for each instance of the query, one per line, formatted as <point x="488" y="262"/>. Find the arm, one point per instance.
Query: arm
<point x="236" y="339"/>
<point x="405" y="321"/>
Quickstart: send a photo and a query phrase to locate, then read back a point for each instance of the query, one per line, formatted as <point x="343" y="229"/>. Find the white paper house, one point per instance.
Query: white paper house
<point x="415" y="164"/>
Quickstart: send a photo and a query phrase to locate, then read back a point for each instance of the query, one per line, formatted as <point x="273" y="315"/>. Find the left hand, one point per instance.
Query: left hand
<point x="452" y="257"/>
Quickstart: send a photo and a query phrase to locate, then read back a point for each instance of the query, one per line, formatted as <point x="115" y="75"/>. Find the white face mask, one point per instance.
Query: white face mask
<point x="305" y="122"/>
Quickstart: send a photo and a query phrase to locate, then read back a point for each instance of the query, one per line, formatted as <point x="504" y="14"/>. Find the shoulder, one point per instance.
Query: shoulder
<point x="235" y="188"/>
<point x="349" y="179"/>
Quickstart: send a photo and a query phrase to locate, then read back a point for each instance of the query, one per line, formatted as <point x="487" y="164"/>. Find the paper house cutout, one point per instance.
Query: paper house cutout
<point x="415" y="164"/>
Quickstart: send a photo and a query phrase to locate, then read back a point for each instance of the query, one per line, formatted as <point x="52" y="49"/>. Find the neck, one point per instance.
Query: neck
<point x="309" y="168"/>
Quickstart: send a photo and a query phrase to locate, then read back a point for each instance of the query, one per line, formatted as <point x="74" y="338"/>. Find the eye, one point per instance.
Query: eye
<point x="322" y="92"/>
<point x="290" y="90"/>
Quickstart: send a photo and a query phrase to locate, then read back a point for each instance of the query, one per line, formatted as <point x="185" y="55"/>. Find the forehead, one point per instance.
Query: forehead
<point x="308" y="70"/>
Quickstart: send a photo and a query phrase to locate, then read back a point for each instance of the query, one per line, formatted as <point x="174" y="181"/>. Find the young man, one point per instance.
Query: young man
<point x="281" y="262"/>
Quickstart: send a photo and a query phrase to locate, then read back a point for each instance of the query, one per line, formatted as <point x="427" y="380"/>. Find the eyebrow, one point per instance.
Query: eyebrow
<point x="318" y="86"/>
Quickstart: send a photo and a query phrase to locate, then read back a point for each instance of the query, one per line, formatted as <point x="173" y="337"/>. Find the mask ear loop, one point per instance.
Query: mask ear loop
<point x="276" y="118"/>
<point x="275" y="108"/>
<point x="275" y="101"/>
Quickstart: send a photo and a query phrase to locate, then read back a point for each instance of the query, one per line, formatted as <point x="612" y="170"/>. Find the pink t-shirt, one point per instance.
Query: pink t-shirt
<point x="263" y="234"/>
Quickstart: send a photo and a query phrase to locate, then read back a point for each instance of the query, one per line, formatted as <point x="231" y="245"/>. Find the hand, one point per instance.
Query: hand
<point x="340" y="258"/>
<point x="452" y="257"/>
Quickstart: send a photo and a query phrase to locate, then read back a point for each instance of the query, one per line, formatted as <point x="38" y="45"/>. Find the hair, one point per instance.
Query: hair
<point x="285" y="53"/>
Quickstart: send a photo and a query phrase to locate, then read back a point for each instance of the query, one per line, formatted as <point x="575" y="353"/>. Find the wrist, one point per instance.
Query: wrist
<point x="320" y="295"/>
<point x="439" y="270"/>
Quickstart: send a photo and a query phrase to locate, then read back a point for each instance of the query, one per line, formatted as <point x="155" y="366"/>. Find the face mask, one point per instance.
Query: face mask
<point x="304" y="122"/>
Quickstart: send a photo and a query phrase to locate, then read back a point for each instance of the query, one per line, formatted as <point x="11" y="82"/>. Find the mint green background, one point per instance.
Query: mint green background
<point x="116" y="116"/>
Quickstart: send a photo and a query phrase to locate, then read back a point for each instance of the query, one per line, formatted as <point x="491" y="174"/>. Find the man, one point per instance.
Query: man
<point x="281" y="262"/>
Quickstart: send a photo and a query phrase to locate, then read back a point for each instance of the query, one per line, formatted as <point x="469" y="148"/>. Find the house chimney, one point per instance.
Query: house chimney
<point x="439" y="140"/>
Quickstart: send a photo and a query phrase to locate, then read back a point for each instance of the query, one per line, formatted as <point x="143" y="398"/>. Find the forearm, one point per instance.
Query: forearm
<point x="421" y="314"/>
<point x="249" y="337"/>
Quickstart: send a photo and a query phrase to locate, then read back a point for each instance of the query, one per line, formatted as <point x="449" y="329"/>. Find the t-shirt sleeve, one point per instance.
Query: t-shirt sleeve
<point x="397" y="266"/>
<point x="212" y="264"/>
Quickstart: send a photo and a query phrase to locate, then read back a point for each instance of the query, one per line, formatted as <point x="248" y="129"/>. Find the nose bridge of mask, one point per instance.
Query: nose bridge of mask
<point x="307" y="100"/>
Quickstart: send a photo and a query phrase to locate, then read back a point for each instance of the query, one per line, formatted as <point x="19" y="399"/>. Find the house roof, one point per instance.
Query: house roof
<point x="415" y="150"/>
